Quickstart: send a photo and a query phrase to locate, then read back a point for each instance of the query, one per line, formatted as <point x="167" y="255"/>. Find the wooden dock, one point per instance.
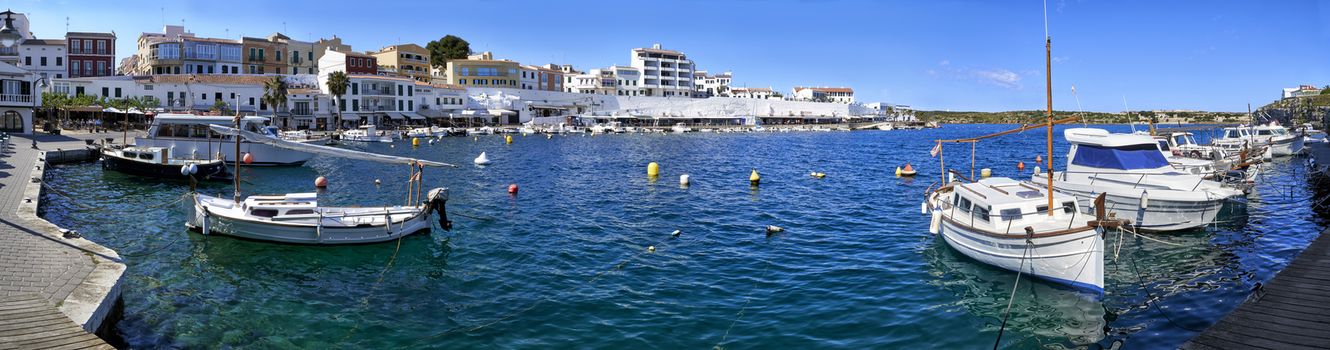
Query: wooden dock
<point x="1292" y="311"/>
<point x="27" y="321"/>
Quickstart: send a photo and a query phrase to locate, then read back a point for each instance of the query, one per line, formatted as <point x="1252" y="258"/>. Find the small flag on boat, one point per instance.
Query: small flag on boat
<point x="416" y="176"/>
<point x="936" y="149"/>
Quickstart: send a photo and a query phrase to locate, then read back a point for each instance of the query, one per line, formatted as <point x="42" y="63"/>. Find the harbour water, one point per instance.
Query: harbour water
<point x="564" y="263"/>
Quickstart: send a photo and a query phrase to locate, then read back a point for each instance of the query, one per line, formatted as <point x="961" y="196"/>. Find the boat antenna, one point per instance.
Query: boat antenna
<point x="1048" y="83"/>
<point x="1079" y="109"/>
<point x="1127" y="111"/>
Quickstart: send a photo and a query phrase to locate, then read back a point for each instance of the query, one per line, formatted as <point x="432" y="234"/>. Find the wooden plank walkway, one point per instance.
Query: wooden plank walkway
<point x="27" y="321"/>
<point x="1292" y="312"/>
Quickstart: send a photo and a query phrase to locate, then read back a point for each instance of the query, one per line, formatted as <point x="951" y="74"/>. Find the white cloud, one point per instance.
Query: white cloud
<point x="1000" y="77"/>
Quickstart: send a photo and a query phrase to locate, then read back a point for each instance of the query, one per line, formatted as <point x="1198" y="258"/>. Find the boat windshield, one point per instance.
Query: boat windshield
<point x="1142" y="156"/>
<point x="1163" y="146"/>
<point x="1180" y="140"/>
<point x="1263" y="132"/>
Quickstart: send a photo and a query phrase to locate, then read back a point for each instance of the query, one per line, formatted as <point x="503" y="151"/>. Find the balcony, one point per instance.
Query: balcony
<point x="301" y="111"/>
<point x="13" y="99"/>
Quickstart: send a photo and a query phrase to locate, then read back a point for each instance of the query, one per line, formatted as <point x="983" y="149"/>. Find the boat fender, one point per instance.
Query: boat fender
<point x="1145" y="199"/>
<point x="935" y="224"/>
<point x="923" y="207"/>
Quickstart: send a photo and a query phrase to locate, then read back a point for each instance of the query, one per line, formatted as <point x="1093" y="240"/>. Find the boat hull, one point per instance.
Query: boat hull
<point x="1075" y="259"/>
<point x="264" y="155"/>
<point x="1160" y="214"/>
<point x="332" y="231"/>
<point x="207" y="171"/>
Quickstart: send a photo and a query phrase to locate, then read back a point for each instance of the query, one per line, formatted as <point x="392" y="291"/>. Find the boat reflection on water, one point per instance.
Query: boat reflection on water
<point x="1042" y="315"/>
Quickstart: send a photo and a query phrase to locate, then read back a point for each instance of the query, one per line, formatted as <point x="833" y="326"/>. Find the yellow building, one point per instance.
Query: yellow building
<point x="405" y="60"/>
<point x="484" y="71"/>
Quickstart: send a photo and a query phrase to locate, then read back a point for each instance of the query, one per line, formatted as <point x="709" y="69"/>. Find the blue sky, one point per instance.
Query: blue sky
<point x="944" y="55"/>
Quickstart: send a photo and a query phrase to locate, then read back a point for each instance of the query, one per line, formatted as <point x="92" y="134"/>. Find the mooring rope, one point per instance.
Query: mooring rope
<point x="364" y="302"/>
<point x="87" y="207"/>
<point x="1149" y="298"/>
<point x="1012" y="298"/>
<point x="739" y="315"/>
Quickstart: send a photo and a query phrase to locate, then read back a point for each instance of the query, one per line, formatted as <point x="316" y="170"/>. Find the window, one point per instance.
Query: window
<point x="75" y="46"/>
<point x="964" y="204"/>
<point x="355" y="88"/>
<point x="311" y="56"/>
<point x="87" y="45"/>
<point x="355" y="105"/>
<point x="1010" y="214"/>
<point x="106" y="92"/>
<point x="43" y="61"/>
<point x="981" y="213"/>
<point x="1068" y="207"/>
<point x="27" y="61"/>
<point x="410" y="106"/>
<point x="101" y="46"/>
<point x="59" y="61"/>
<point x="117" y="92"/>
<point x="278" y="56"/>
<point x="399" y="105"/>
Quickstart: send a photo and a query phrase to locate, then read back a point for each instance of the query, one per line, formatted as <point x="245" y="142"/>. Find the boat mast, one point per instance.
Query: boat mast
<point x="1048" y="64"/>
<point x="236" y="196"/>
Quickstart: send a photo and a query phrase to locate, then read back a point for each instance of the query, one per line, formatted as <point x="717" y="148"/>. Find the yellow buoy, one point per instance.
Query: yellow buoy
<point x="653" y="169"/>
<point x="508" y="139"/>
<point x="415" y="141"/>
<point x="549" y="136"/>
<point x="898" y="171"/>
<point x="754" y="178"/>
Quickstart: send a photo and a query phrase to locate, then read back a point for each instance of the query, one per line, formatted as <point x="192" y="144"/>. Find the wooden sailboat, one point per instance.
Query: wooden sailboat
<point x="1019" y="226"/>
<point x="299" y="218"/>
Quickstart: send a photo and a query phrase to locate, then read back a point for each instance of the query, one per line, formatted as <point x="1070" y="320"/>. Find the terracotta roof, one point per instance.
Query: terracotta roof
<point x="90" y="34"/>
<point x="826" y="89"/>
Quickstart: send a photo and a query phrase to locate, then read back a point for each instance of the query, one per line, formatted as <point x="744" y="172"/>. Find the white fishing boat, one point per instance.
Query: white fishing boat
<point x="1007" y="224"/>
<point x="303" y="136"/>
<point x="426" y="132"/>
<point x="366" y="133"/>
<point x="1280" y="141"/>
<point x="606" y="128"/>
<point x="299" y="217"/>
<point x="680" y="128"/>
<point x="1203" y="167"/>
<point x="158" y="162"/>
<point x="1139" y="182"/>
<point x="484" y="130"/>
<point x="886" y="127"/>
<point x="1311" y="134"/>
<point x="187" y="137"/>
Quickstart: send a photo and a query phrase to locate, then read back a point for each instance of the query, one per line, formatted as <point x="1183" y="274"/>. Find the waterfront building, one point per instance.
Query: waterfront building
<point x="196" y="93"/>
<point x="440" y="103"/>
<point x="665" y="73"/>
<point x="176" y="51"/>
<point x="346" y="61"/>
<point x="323" y="45"/>
<point x="747" y="92"/>
<point x="384" y="101"/>
<point x="44" y="58"/>
<point x="307" y="109"/>
<point x="706" y="85"/>
<point x="263" y="56"/>
<point x="18" y="98"/>
<point x="547" y="77"/>
<point x="483" y="70"/>
<point x="94" y="52"/>
<point x="824" y="94"/>
<point x="613" y="80"/>
<point x="301" y="57"/>
<point x="404" y="60"/>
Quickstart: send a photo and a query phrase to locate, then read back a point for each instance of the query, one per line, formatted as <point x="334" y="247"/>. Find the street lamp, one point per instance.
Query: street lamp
<point x="8" y="35"/>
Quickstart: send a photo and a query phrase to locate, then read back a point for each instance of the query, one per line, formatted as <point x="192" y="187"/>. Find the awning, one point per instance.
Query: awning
<point x="502" y="112"/>
<point x="413" y="116"/>
<point x="394" y="115"/>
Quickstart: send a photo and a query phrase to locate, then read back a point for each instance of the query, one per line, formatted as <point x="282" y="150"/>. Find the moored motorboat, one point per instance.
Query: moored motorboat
<point x="1139" y="182"/>
<point x="158" y="162"/>
<point x="187" y="134"/>
<point x="366" y="133"/>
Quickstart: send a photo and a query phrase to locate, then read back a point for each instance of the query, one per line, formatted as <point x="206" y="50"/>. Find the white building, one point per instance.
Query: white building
<point x="612" y="80"/>
<point x="1300" y="91"/>
<point x="18" y="99"/>
<point x="711" y="85"/>
<point x="824" y="94"/>
<point x="45" y="58"/>
<point x="665" y="73"/>
<point x="747" y="92"/>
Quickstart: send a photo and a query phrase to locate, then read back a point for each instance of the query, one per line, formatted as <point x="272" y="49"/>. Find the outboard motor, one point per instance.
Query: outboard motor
<point x="438" y="199"/>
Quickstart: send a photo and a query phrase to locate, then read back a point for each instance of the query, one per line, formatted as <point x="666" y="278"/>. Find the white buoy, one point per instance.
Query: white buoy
<point x="482" y="159"/>
<point x="683" y="180"/>
<point x="1037" y="170"/>
<point x="676" y="233"/>
<point x="923" y="207"/>
<point x="651" y="249"/>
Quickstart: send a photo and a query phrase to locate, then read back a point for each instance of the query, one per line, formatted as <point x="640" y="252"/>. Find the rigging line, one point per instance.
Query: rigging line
<point x="1011" y="299"/>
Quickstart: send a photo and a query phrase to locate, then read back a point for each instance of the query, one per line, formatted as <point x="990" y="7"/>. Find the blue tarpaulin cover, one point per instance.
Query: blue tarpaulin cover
<point x="1122" y="158"/>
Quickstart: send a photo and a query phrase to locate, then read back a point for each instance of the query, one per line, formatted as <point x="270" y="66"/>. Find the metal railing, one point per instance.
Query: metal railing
<point x="15" y="98"/>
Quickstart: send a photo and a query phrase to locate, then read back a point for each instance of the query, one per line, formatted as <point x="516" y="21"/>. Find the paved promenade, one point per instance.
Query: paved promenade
<point x="1291" y="312"/>
<point x="75" y="276"/>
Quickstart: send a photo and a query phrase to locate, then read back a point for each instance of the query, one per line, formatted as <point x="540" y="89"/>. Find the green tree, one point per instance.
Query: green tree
<point x="447" y="48"/>
<point x="1326" y="90"/>
<point x="274" y="93"/>
<point x="337" y="83"/>
<point x="220" y="107"/>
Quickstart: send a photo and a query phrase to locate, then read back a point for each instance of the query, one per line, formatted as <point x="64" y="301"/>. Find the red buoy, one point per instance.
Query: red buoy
<point x="1039" y="159"/>
<point x="248" y="158"/>
<point x="321" y="182"/>
<point x="512" y="189"/>
<point x="1020" y="165"/>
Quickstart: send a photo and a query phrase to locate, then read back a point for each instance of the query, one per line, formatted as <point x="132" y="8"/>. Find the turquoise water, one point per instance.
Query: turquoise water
<point x="564" y="263"/>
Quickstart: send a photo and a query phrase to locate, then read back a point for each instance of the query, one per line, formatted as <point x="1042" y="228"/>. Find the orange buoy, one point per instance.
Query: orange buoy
<point x="321" y="182"/>
<point x="1039" y="159"/>
<point x="908" y="170"/>
<point x="512" y="189"/>
<point x="248" y="158"/>
<point x="1020" y="165"/>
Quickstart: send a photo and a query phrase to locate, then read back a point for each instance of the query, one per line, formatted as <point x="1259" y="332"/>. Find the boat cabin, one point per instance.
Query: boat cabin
<point x="189" y="126"/>
<point x="292" y="204"/>
<point x="158" y="155"/>
<point x="1097" y="149"/>
<point x="1007" y="206"/>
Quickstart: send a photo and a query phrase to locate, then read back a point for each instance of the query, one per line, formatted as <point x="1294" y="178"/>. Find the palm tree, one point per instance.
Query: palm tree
<point x="274" y="93"/>
<point x="337" y="83"/>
